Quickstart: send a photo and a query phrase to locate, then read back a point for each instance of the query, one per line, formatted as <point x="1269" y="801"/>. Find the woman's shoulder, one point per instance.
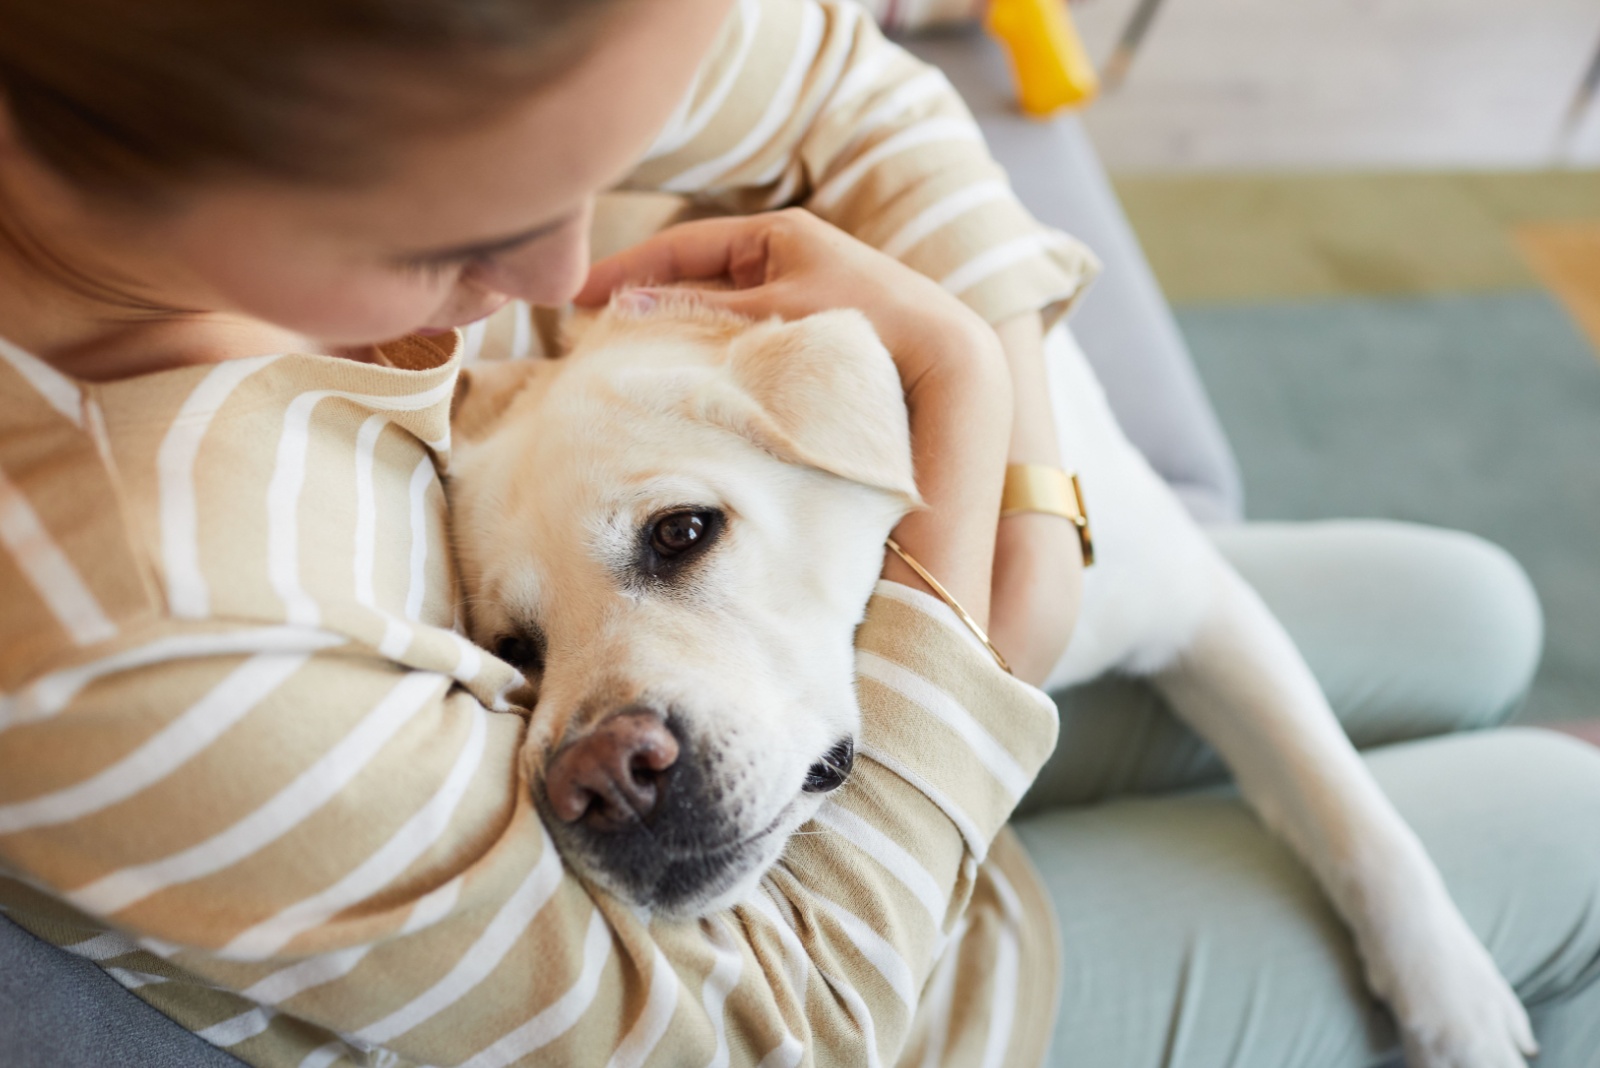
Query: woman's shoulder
<point x="280" y="489"/>
<point x="68" y="577"/>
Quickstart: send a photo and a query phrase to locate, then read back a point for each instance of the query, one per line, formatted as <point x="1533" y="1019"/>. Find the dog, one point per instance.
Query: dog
<point x="674" y="531"/>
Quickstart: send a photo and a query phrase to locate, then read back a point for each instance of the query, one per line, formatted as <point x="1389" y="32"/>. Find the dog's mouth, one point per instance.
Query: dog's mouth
<point x="670" y="874"/>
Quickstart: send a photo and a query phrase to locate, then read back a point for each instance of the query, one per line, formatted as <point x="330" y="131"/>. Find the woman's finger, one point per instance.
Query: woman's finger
<point x="761" y="302"/>
<point x="694" y="251"/>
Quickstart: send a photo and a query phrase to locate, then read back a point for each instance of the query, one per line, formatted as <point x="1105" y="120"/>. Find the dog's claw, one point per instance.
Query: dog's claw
<point x="1524" y="1033"/>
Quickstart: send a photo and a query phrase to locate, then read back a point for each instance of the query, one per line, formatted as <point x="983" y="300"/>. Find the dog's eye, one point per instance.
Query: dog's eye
<point x="672" y="543"/>
<point x="521" y="651"/>
<point x="678" y="532"/>
<point x="829" y="773"/>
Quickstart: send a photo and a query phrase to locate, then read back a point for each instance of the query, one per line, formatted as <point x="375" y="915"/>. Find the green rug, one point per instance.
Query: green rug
<point x="1376" y="347"/>
<point x="1251" y="238"/>
<point x="1478" y="413"/>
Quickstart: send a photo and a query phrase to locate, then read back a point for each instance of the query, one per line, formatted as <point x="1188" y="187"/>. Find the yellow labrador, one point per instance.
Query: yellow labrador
<point x="674" y="532"/>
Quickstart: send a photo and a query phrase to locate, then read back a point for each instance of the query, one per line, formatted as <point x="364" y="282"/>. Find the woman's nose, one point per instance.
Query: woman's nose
<point x="549" y="271"/>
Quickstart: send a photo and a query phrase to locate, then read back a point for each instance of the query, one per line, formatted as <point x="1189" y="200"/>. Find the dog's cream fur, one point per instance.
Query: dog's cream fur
<point x="562" y="462"/>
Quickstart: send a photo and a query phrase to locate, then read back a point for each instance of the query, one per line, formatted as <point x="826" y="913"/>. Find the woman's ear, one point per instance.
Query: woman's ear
<point x="485" y="390"/>
<point x="828" y="397"/>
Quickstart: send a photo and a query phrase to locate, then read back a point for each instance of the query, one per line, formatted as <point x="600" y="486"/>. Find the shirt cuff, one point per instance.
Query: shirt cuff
<point x="939" y="712"/>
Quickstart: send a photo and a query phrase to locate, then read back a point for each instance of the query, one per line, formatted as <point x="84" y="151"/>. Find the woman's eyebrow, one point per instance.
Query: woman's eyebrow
<point x="492" y="246"/>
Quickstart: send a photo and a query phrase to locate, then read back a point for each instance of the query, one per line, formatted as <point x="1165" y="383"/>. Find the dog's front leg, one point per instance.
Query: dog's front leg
<point x="1243" y="686"/>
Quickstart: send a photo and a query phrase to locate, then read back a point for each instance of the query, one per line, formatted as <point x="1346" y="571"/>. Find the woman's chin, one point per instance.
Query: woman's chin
<point x="457" y="318"/>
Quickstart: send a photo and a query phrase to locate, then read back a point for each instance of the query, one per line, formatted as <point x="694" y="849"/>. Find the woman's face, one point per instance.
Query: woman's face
<point x="460" y="225"/>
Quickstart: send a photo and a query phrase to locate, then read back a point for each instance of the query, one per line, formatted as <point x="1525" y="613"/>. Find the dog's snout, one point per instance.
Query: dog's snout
<point x="615" y="776"/>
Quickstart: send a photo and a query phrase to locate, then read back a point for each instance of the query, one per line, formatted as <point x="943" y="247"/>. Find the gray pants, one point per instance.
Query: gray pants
<point x="1192" y="939"/>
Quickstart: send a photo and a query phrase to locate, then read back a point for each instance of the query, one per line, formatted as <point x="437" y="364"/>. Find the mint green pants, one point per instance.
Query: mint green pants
<point x="1192" y="939"/>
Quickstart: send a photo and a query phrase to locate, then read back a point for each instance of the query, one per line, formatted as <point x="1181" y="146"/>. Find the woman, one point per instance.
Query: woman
<point x="230" y="588"/>
<point x="242" y="730"/>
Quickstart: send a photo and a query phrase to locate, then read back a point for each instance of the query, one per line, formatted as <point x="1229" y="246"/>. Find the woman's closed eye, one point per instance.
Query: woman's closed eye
<point x="483" y="254"/>
<point x="434" y="268"/>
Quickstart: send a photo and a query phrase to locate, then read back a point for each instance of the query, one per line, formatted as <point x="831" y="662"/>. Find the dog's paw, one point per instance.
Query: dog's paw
<point x="1485" y="1027"/>
<point x="1454" y="1008"/>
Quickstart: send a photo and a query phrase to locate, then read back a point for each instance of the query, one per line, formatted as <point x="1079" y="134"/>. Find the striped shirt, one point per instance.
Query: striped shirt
<point x="805" y="103"/>
<point x="249" y="766"/>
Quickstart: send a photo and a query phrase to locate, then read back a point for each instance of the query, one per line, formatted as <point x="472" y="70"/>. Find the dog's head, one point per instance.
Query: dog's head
<point x="673" y="533"/>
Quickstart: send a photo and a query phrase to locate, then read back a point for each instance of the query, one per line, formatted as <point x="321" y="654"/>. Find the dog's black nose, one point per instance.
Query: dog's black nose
<point x="615" y="776"/>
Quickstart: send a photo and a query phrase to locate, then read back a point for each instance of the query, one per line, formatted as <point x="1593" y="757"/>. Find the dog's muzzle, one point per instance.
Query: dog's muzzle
<point x="636" y="805"/>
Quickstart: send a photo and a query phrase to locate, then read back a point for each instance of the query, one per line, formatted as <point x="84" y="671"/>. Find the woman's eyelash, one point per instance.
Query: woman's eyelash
<point x="438" y="267"/>
<point x="428" y="269"/>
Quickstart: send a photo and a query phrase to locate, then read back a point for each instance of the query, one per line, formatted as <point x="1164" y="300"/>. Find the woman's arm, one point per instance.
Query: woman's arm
<point x="1038" y="561"/>
<point x="290" y="847"/>
<point x="977" y="402"/>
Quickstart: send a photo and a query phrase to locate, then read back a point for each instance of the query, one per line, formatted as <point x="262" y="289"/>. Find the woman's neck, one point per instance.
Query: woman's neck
<point x="67" y="301"/>
<point x="96" y="331"/>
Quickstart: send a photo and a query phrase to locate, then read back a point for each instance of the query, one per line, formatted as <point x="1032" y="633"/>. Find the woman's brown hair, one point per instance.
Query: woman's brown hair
<point x="134" y="98"/>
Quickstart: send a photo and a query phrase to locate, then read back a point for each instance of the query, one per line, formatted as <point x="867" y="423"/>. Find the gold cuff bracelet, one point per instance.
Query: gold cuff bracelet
<point x="1048" y="491"/>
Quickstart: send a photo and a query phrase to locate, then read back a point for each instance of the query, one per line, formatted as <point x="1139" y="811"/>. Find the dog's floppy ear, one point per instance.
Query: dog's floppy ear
<point x="828" y="397"/>
<point x="483" y="393"/>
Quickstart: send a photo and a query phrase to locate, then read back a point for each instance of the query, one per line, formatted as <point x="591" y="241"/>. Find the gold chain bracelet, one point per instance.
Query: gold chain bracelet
<point x="955" y="606"/>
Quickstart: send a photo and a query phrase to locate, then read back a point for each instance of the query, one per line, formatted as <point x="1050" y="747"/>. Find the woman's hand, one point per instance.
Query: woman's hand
<point x="792" y="264"/>
<point x="958" y="392"/>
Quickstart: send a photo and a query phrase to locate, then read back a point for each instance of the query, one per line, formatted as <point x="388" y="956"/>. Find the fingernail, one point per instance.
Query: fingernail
<point x="636" y="301"/>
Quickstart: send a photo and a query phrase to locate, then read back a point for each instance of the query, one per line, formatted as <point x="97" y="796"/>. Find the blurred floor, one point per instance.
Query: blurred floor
<point x="1408" y="346"/>
<point x="1315" y="84"/>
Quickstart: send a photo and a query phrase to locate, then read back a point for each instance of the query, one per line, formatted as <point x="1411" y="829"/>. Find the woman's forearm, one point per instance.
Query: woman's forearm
<point x="1033" y="421"/>
<point x="1038" y="566"/>
<point x="960" y="420"/>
